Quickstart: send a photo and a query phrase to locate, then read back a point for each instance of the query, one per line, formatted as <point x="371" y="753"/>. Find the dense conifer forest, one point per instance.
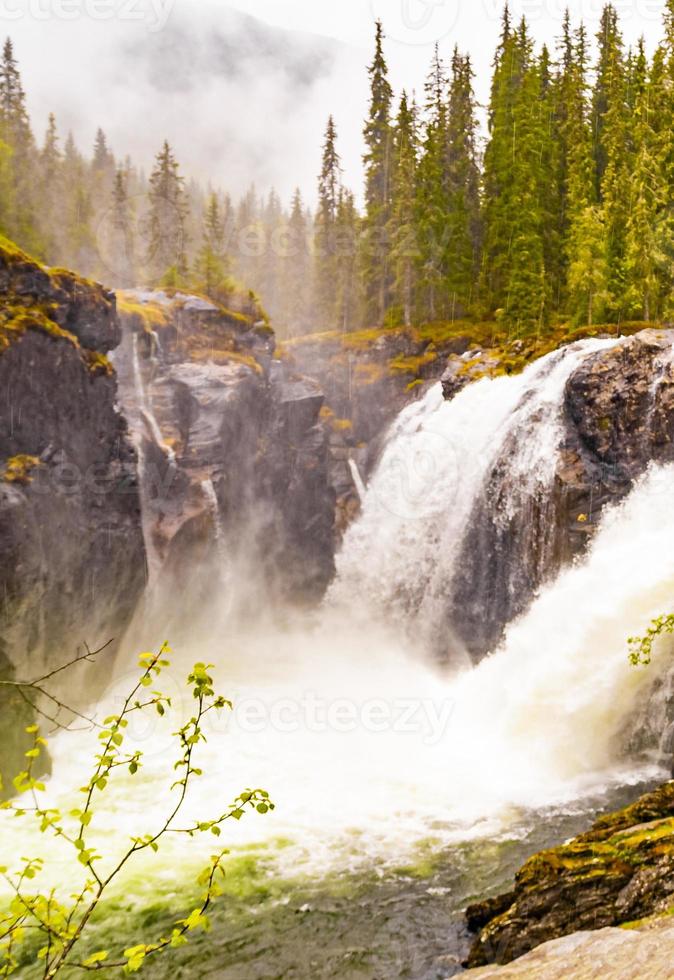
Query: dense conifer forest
<point x="560" y="211"/>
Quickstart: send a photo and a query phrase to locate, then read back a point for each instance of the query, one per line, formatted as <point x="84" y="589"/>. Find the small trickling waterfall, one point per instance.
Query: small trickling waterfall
<point x="358" y="481"/>
<point x="155" y="457"/>
<point x="494" y="448"/>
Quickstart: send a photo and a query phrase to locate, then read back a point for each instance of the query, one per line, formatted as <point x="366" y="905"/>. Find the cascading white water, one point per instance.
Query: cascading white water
<point x="366" y="749"/>
<point x="399" y="558"/>
<point x="358" y="481"/>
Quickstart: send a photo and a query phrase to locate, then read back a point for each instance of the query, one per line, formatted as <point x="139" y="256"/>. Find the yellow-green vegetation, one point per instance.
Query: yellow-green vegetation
<point x="15" y="321"/>
<point x="620" y="842"/>
<point x="497" y="349"/>
<point x="144" y="317"/>
<point x="327" y="415"/>
<point x="641" y="647"/>
<point x="18" y="469"/>
<point x="412" y="365"/>
<point x="197" y="353"/>
<point x="62" y="921"/>
<point x="20" y="313"/>
<point x="13" y="255"/>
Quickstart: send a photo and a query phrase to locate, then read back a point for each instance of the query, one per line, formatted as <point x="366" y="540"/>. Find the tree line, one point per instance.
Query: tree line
<point x="106" y="219"/>
<point x="563" y="212"/>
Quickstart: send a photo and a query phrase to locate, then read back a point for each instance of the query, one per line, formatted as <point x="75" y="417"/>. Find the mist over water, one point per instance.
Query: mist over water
<point x="367" y="744"/>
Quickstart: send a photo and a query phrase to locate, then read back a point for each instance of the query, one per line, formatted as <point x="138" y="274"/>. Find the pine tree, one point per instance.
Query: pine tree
<point x="375" y="256"/>
<point x="507" y="78"/>
<point x="612" y="155"/>
<point x="403" y="228"/>
<point x="122" y="245"/>
<point x="103" y="159"/>
<point x="165" y="228"/>
<point x="606" y="84"/>
<point x="528" y="287"/>
<point x="52" y="192"/>
<point x="329" y="182"/>
<point x="463" y="188"/>
<point x="15" y="131"/>
<point x="212" y="266"/>
<point x="432" y="195"/>
<point x="296" y="271"/>
<point x="584" y="238"/>
<point x="347" y="234"/>
<point x="514" y="279"/>
<point x="648" y="191"/>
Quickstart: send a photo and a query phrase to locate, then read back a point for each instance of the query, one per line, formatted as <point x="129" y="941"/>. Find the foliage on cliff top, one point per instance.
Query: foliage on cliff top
<point x="32" y="304"/>
<point x="408" y="350"/>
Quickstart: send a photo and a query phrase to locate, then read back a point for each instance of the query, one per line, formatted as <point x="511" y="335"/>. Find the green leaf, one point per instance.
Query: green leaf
<point x="96" y="958"/>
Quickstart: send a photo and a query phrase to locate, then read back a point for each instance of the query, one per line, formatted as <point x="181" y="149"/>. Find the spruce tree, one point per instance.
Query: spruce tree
<point x="51" y="192"/>
<point x="463" y="188"/>
<point x="375" y="256"/>
<point x="15" y="131"/>
<point x="403" y="228"/>
<point x="347" y="232"/>
<point x="329" y="182"/>
<point x="165" y="228"/>
<point x="296" y="271"/>
<point x="612" y="155"/>
<point x="645" y="258"/>
<point x="122" y="244"/>
<point x="608" y="85"/>
<point x="584" y="239"/>
<point x="211" y="263"/>
<point x="432" y="195"/>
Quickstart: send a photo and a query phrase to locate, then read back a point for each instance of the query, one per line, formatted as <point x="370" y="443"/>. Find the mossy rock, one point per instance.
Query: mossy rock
<point x="621" y="870"/>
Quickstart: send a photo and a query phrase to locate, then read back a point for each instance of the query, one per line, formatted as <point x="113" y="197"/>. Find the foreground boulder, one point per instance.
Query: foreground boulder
<point x="620" y="871"/>
<point x="645" y="952"/>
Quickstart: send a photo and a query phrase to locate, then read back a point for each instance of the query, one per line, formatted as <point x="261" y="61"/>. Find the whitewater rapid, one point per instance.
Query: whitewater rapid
<point x="368" y="749"/>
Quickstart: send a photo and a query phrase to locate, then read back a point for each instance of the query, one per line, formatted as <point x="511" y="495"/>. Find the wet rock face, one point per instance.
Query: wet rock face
<point x="72" y="562"/>
<point x="235" y="454"/>
<point x="621" y="871"/>
<point x="617" y="416"/>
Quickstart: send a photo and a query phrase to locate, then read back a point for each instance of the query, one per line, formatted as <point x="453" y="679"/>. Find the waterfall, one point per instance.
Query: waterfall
<point x="358" y="481"/>
<point x="153" y="467"/>
<point x="368" y="749"/>
<point x="401" y="556"/>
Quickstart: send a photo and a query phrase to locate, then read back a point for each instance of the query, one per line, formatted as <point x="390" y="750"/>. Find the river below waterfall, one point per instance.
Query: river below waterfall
<point x="405" y="786"/>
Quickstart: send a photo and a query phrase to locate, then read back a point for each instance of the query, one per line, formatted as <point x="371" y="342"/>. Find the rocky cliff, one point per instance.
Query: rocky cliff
<point x="617" y="416"/>
<point x="234" y="454"/>
<point x="73" y="559"/>
<point x="621" y="871"/>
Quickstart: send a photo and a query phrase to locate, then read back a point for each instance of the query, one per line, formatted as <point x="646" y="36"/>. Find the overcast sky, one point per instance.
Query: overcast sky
<point x="413" y="26"/>
<point x="147" y="70"/>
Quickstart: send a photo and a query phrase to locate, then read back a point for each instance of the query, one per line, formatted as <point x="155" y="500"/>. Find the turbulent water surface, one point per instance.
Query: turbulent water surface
<point x="403" y="788"/>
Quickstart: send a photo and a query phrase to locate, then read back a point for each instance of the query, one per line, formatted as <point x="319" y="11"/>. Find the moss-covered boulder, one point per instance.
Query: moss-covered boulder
<point x="620" y="871"/>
